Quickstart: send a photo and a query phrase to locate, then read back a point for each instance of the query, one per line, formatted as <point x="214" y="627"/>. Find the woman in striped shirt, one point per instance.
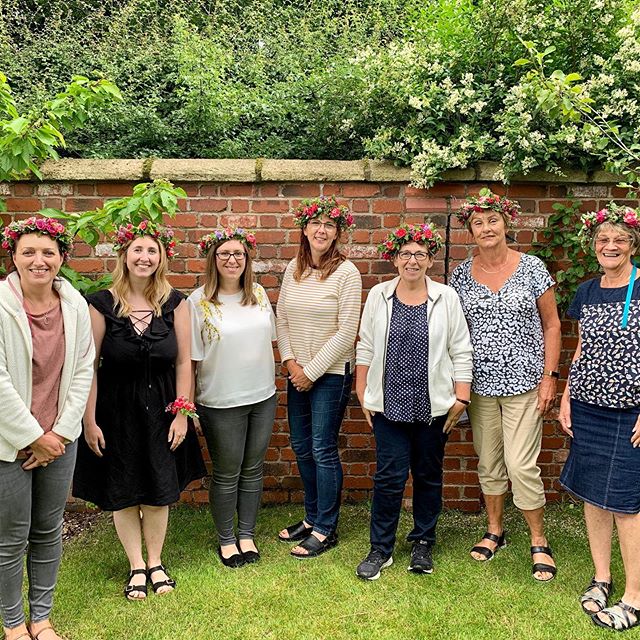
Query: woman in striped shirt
<point x="318" y="312"/>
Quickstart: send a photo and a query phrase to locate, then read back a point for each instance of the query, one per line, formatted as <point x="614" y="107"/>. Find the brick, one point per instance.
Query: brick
<point x="22" y="189"/>
<point x="303" y="190"/>
<point x="115" y="189"/>
<point x="239" y="206"/>
<point x="425" y="204"/>
<point x="387" y="206"/>
<point x="183" y="281"/>
<point x="270" y="190"/>
<point x="208" y="205"/>
<point x="83" y="204"/>
<point x="23" y="204"/>
<point x="360" y="190"/>
<point x="247" y="222"/>
<point x="269" y="206"/>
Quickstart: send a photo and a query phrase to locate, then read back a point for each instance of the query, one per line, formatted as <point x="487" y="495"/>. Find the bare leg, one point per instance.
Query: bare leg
<point x="495" y="516"/>
<point x="154" y="527"/>
<point x="127" y="523"/>
<point x="535" y="520"/>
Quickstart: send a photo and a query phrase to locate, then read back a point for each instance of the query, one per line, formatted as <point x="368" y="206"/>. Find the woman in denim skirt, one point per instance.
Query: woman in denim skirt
<point x="600" y="410"/>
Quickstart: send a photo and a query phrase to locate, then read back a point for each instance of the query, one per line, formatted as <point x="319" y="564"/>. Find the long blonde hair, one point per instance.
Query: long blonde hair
<point x="156" y="292"/>
<point x="212" y="283"/>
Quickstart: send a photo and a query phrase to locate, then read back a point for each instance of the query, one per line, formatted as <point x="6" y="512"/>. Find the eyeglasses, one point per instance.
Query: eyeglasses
<point x="316" y="224"/>
<point x="225" y="256"/>
<point x="619" y="242"/>
<point x="420" y="256"/>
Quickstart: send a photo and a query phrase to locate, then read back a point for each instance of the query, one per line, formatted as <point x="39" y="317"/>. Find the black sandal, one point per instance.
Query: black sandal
<point x="541" y="567"/>
<point x="501" y="543"/>
<point x="295" y="532"/>
<point x="169" y="582"/>
<point x="598" y="593"/>
<point x="618" y="620"/>
<point x="316" y="547"/>
<point x="130" y="588"/>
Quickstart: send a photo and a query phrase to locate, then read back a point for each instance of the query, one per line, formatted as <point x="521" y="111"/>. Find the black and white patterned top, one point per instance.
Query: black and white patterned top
<point x="406" y="372"/>
<point x="505" y="327"/>
<point x="607" y="373"/>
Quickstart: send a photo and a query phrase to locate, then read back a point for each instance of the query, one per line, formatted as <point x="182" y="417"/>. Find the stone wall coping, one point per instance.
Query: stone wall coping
<point x="265" y="170"/>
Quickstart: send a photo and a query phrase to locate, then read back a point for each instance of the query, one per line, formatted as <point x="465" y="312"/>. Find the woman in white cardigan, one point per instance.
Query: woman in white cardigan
<point x="413" y="379"/>
<point x="46" y="366"/>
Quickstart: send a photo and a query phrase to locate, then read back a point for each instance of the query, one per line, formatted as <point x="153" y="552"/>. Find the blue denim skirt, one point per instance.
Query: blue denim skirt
<point x="603" y="468"/>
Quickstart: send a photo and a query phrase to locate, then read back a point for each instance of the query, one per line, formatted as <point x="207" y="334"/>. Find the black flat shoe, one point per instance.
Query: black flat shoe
<point x="295" y="532"/>
<point x="250" y="556"/>
<point x="315" y="547"/>
<point x="233" y="562"/>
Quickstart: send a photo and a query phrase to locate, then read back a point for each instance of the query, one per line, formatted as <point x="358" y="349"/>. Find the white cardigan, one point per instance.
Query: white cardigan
<point x="450" y="352"/>
<point x="18" y="428"/>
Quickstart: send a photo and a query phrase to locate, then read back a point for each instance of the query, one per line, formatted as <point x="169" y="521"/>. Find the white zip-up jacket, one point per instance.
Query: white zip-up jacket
<point x="450" y="352"/>
<point x="18" y="428"/>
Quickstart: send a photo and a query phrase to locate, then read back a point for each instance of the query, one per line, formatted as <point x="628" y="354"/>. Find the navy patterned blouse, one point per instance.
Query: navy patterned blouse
<point x="607" y="373"/>
<point x="406" y="381"/>
<point x="505" y="327"/>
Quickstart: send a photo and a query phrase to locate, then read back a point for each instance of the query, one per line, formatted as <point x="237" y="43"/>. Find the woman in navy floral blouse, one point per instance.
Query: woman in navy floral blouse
<point x="508" y="299"/>
<point x="413" y="374"/>
<point x="600" y="410"/>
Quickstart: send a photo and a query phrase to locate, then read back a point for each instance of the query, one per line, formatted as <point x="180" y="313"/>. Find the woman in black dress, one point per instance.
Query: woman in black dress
<point x="137" y="456"/>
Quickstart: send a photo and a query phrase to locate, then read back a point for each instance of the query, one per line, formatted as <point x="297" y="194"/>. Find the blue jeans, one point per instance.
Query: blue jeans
<point x="315" y="417"/>
<point x="401" y="446"/>
<point x="31" y="510"/>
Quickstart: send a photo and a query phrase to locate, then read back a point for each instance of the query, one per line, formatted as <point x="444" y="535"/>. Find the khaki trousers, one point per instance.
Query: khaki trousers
<point x="507" y="436"/>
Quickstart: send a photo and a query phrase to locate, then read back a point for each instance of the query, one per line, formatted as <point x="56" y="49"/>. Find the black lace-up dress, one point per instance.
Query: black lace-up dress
<point x="136" y="381"/>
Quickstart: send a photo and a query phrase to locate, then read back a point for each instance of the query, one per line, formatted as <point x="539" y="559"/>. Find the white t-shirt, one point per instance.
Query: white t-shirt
<point x="232" y="346"/>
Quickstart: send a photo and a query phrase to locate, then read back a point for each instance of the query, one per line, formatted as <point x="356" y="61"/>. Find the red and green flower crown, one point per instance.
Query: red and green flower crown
<point x="425" y="234"/>
<point x="323" y="206"/>
<point x="612" y="213"/>
<point x="45" y="226"/>
<point x="127" y="232"/>
<point x="488" y="201"/>
<point x="223" y="235"/>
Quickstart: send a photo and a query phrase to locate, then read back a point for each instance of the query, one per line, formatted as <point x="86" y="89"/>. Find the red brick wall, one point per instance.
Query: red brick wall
<point x="377" y="207"/>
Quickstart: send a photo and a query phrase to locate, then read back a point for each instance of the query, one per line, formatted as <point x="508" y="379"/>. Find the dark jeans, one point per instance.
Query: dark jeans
<point x="315" y="417"/>
<point x="401" y="446"/>
<point x="237" y="439"/>
<point x="31" y="510"/>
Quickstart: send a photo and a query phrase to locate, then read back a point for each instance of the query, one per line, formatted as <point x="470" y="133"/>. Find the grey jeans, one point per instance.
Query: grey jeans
<point x="31" y="509"/>
<point x="237" y="439"/>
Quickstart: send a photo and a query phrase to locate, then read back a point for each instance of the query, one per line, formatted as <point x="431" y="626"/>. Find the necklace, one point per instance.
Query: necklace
<point x="45" y="318"/>
<point x="504" y="264"/>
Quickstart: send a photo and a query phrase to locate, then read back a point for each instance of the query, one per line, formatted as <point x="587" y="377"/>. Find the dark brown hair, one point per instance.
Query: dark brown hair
<point x="329" y="261"/>
<point x="212" y="283"/>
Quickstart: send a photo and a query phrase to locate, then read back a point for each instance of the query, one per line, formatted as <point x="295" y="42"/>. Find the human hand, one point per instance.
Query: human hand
<point x="298" y="378"/>
<point x="453" y="416"/>
<point x="635" y="435"/>
<point x="47" y="448"/>
<point x="368" y="416"/>
<point x="564" y="416"/>
<point x="94" y="438"/>
<point x="177" y="431"/>
<point x="546" y="394"/>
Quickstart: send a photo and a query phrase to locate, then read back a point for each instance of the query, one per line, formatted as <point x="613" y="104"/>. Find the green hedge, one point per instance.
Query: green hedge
<point x="428" y="83"/>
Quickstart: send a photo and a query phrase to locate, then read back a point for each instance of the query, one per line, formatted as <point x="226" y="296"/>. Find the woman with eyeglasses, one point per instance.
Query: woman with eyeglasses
<point x="413" y="375"/>
<point x="233" y="327"/>
<point x="318" y="312"/>
<point x="508" y="299"/>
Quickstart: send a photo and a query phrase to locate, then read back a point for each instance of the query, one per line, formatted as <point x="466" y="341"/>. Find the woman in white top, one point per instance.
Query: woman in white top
<point x="318" y="313"/>
<point x="233" y="327"/>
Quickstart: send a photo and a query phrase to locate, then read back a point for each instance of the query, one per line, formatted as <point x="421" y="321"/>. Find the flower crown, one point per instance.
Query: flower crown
<point x="46" y="226"/>
<point x="127" y="232"/>
<point x="223" y="235"/>
<point x="488" y="201"/>
<point x="425" y="234"/>
<point x="613" y="213"/>
<point x="323" y="206"/>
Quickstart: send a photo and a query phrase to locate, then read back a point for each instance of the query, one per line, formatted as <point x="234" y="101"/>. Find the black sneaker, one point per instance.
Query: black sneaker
<point x="421" y="557"/>
<point x="373" y="564"/>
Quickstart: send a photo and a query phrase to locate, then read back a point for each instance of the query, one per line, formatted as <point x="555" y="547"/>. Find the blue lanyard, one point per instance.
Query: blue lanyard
<point x="627" y="302"/>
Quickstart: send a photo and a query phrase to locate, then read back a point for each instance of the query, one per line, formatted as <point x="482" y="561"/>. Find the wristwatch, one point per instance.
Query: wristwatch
<point x="466" y="403"/>
<point x="553" y="374"/>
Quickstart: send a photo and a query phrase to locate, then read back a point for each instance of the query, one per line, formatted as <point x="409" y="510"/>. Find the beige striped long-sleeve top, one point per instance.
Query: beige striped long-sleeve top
<point x="317" y="320"/>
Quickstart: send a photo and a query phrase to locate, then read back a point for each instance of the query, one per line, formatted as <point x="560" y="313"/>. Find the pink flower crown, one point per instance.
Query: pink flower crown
<point x="223" y="235"/>
<point x="126" y="233"/>
<point x="323" y="206"/>
<point x="425" y="234"/>
<point x="613" y="213"/>
<point x="488" y="201"/>
<point x="45" y="226"/>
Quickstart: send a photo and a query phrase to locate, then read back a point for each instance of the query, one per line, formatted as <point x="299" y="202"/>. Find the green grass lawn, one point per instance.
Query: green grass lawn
<point x="288" y="599"/>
